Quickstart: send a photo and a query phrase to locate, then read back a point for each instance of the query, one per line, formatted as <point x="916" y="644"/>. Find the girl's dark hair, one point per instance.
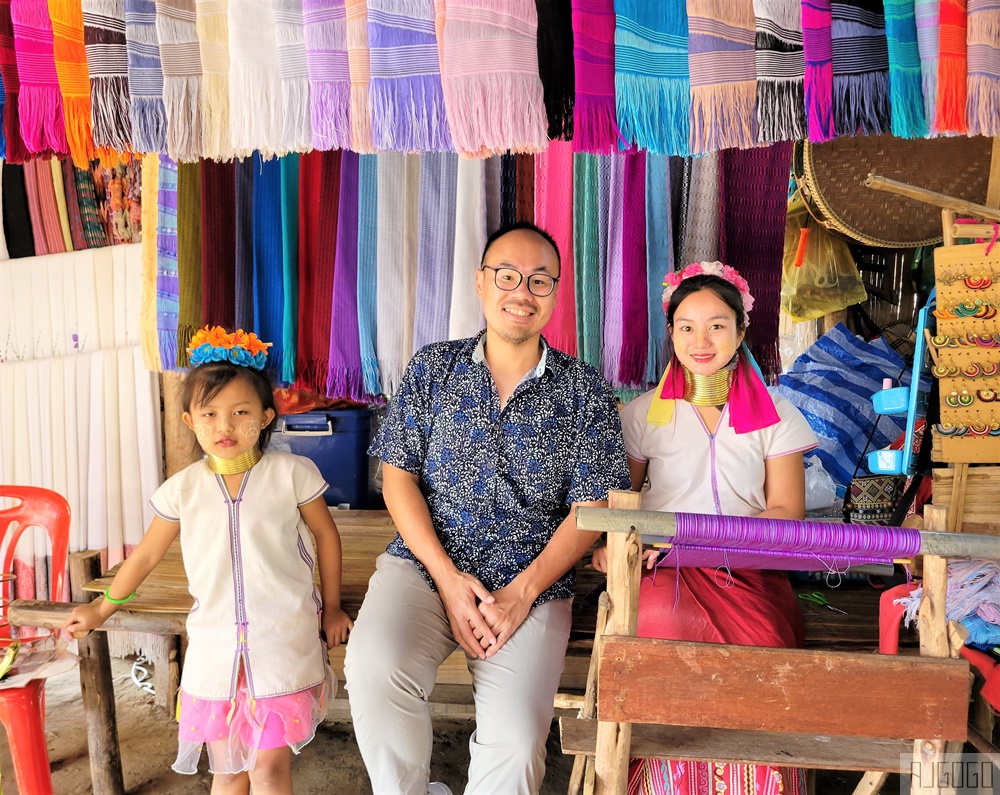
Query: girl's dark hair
<point x="207" y="380"/>
<point x="726" y="291"/>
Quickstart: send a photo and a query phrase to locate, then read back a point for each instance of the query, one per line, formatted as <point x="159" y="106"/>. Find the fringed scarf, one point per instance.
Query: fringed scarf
<point x="492" y="91"/>
<point x="635" y="323"/>
<point x="269" y="296"/>
<point x="555" y="64"/>
<point x="290" y="263"/>
<point x="659" y="257"/>
<point x="55" y="168"/>
<point x="16" y="152"/>
<point x="435" y="247"/>
<point x="359" y="67"/>
<point x="524" y="175"/>
<point x="212" y="26"/>
<point x="407" y="101"/>
<point x="926" y="12"/>
<point x="329" y="73"/>
<point x="508" y="189"/>
<point x="218" y="243"/>
<point x="4" y="254"/>
<point x="492" y="185"/>
<point x="55" y="240"/>
<point x="554" y="214"/>
<point x="781" y="110"/>
<point x="167" y="283"/>
<point x="594" y="127"/>
<point x="470" y="237"/>
<point x="3" y="141"/>
<point x="905" y="81"/>
<point x="368" y="270"/>
<point x="652" y="86"/>
<point x="189" y="318"/>
<point x="860" y="68"/>
<point x="722" y="61"/>
<point x="817" y="48"/>
<point x="43" y="126"/>
<point x="74" y="79"/>
<point x="244" y="243"/>
<point x="73" y="205"/>
<point x="93" y="229"/>
<point x="150" y="210"/>
<point x="699" y="235"/>
<point x="411" y="234"/>
<point x="255" y="104"/>
<point x="587" y="268"/>
<point x="145" y="77"/>
<point x="319" y="209"/>
<point x="296" y="96"/>
<point x="16" y="215"/>
<point x="180" y="59"/>
<point x="391" y="212"/>
<point x="754" y="200"/>
<point x="34" y="209"/>
<point x="107" y="61"/>
<point x="983" y="102"/>
<point x="345" y="377"/>
<point x="952" y="68"/>
<point x="613" y="269"/>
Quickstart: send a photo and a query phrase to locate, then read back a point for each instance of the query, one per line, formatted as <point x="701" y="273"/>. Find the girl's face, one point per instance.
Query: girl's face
<point x="704" y="333"/>
<point x="230" y="423"/>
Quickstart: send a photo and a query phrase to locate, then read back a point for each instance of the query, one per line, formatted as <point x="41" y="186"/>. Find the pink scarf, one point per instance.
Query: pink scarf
<point x="554" y="214"/>
<point x="595" y="127"/>
<point x="43" y="126"/>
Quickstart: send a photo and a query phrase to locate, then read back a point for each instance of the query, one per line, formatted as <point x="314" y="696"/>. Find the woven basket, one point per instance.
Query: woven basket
<point x="831" y="177"/>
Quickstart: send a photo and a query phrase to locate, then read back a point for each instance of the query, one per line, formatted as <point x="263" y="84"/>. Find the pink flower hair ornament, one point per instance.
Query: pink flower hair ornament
<point x="673" y="280"/>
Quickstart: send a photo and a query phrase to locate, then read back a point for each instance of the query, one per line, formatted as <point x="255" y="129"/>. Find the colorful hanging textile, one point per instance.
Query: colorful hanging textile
<point x="268" y="285"/>
<point x="345" y="378"/>
<point x="466" y="317"/>
<point x="218" y="243"/>
<point x="635" y="322"/>
<point x="508" y="189"/>
<point x="167" y="283"/>
<point x="16" y="152"/>
<point x="296" y="96"/>
<point x="927" y="14"/>
<point x="212" y="27"/>
<point x="435" y="247"/>
<point x="145" y="77"/>
<point x="255" y="103"/>
<point x="329" y="73"/>
<point x="34" y="209"/>
<point x="180" y="60"/>
<point x="74" y="79"/>
<point x="652" y="86"/>
<point x="310" y="175"/>
<point x="150" y="210"/>
<point x="411" y="232"/>
<point x="952" y="68"/>
<point x="4" y="254"/>
<point x="587" y="274"/>
<point x="93" y="229"/>
<point x="699" y="233"/>
<point x="524" y="178"/>
<point x="359" y="68"/>
<point x="407" y="101"/>
<point x="555" y="64"/>
<point x="17" y="229"/>
<point x="594" y="126"/>
<point x="43" y="126"/>
<point x="55" y="166"/>
<point x="73" y="205"/>
<point x="244" y="244"/>
<point x="290" y="262"/>
<point x="107" y="62"/>
<point x="492" y="168"/>
<point x="368" y="270"/>
<point x="492" y="91"/>
<point x="614" y="272"/>
<point x="905" y="81"/>
<point x="189" y="318"/>
<point x="390" y="254"/>
<point x="554" y="214"/>
<point x="781" y="111"/>
<point x="817" y="48"/>
<point x="860" y="68"/>
<point x="983" y="103"/>
<point x="3" y="140"/>
<point x="48" y="208"/>
<point x="722" y="60"/>
<point x="659" y="258"/>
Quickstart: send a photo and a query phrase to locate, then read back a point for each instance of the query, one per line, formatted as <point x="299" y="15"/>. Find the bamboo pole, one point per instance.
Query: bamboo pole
<point x="875" y="182"/>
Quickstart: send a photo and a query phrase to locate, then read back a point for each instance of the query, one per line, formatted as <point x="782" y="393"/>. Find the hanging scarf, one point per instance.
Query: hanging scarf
<point x="723" y="67"/>
<point x="17" y="229"/>
<point x="470" y="238"/>
<point x="218" y="243"/>
<point x="524" y="177"/>
<point x="555" y="64"/>
<point x="150" y="210"/>
<point x="952" y="68"/>
<point x="699" y="217"/>
<point x="492" y="185"/>
<point x="180" y="60"/>
<point x="635" y="323"/>
<point x="659" y="257"/>
<point x="926" y="12"/>
<point x="983" y="101"/>
<point x="34" y="209"/>
<point x="860" y="68"/>
<point x="244" y="244"/>
<point x="189" y="318"/>
<point x="93" y="229"/>
<point x="107" y="61"/>
<point x="4" y="254"/>
<point x="359" y="67"/>
<point x="587" y="281"/>
<point x="73" y="205"/>
<point x="411" y="233"/>
<point x="652" y="86"/>
<point x="492" y="91"/>
<point x="290" y="262"/>
<point x="817" y="46"/>
<point x="59" y="196"/>
<point x="905" y="81"/>
<point x="368" y="270"/>
<point x="781" y="110"/>
<point x="167" y="283"/>
<point x="435" y="247"/>
<point x="212" y="27"/>
<point x="3" y="140"/>
<point x="594" y="127"/>
<point x="508" y="189"/>
<point x="389" y="254"/>
<point x="407" y="101"/>
<point x="329" y="73"/>
<point x="554" y="213"/>
<point x="17" y="152"/>
<point x="255" y="104"/>
<point x="74" y="80"/>
<point x="145" y="77"/>
<point x="319" y="202"/>
<point x="43" y="127"/>
<point x="613" y="268"/>
<point x="268" y="285"/>
<point x="296" y="96"/>
<point x="345" y="378"/>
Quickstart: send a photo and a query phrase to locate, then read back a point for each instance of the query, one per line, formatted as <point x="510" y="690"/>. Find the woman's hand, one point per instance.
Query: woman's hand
<point x="337" y="625"/>
<point x="599" y="561"/>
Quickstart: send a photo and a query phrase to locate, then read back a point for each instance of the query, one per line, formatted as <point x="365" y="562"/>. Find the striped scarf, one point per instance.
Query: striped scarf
<point x="74" y="80"/>
<point x="659" y="258"/>
<point x="635" y="322"/>
<point x="652" y="86"/>
<point x="145" y="77"/>
<point x="255" y="105"/>
<point x="17" y="152"/>
<point x="554" y="214"/>
<point x="435" y="247"/>
<point x="93" y="229"/>
<point x="269" y="296"/>
<point x="860" y="68"/>
<point x="698" y="237"/>
<point x="55" y="168"/>
<point x="407" y="100"/>
<point x="150" y="210"/>
<point x="614" y="319"/>
<point x="983" y="103"/>
<point x="218" y="243"/>
<point x="389" y="265"/>
<point x="722" y="60"/>
<point x="212" y="26"/>
<point x="470" y="238"/>
<point x="329" y="73"/>
<point x="35" y="210"/>
<point x="817" y="46"/>
<point x="492" y="91"/>
<point x="926" y="12"/>
<point x="48" y="205"/>
<point x="594" y="127"/>
<point x="289" y="263"/>
<point x="73" y="205"/>
<point x="781" y="111"/>
<point x="359" y="67"/>
<point x="43" y="126"/>
<point x="905" y="81"/>
<point x="189" y="318"/>
<point x="368" y="270"/>
<point x="244" y="244"/>
<point x="587" y="273"/>
<point x="107" y="60"/>
<point x="167" y="285"/>
<point x="411" y="231"/>
<point x="296" y="131"/>
<point x="180" y="57"/>
<point x="952" y="68"/>
<point x="555" y="64"/>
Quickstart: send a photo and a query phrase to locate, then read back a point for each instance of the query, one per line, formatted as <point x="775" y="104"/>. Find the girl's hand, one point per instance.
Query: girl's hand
<point x="84" y="618"/>
<point x="600" y="558"/>
<point x="337" y="625"/>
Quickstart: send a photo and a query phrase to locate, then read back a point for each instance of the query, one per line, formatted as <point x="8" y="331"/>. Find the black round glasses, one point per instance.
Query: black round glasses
<point x="509" y="279"/>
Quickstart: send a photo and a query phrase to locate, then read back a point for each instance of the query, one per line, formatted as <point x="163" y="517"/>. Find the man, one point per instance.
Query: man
<point x="487" y="446"/>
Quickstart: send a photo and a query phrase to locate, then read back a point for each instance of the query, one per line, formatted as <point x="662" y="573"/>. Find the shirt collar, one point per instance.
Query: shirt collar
<point x="479" y="356"/>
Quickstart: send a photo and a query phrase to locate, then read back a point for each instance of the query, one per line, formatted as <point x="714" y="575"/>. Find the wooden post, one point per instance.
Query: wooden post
<point x="624" y="569"/>
<point x="167" y="674"/>
<point x="871" y="783"/>
<point x="97" y="687"/>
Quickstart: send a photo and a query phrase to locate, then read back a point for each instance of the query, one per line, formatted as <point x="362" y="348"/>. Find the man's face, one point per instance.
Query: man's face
<point x="518" y="315"/>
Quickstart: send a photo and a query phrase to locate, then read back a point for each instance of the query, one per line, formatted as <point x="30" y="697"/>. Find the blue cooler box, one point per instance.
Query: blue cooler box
<point x="337" y="441"/>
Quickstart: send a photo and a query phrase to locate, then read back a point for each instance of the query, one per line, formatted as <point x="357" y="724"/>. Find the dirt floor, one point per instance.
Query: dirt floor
<point x="330" y="765"/>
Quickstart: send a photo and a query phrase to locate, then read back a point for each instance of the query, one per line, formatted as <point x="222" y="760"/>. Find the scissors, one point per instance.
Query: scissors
<point x="818" y="598"/>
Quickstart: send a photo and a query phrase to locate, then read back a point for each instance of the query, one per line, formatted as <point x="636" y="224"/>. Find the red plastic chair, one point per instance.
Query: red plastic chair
<point x="22" y="708"/>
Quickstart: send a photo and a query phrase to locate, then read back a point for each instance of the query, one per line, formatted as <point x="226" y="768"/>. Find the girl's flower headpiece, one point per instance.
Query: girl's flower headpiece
<point x="215" y="344"/>
<point x="673" y="280"/>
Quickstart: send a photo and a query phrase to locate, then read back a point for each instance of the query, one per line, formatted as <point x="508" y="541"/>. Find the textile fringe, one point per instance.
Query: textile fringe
<point x="345" y="382"/>
<point x="861" y="103"/>
<point x="76" y="113"/>
<point x="781" y="114"/>
<point x="331" y="124"/>
<point x="296" y="129"/>
<point x="983" y="105"/>
<point x="593" y="124"/>
<point x="149" y="124"/>
<point x="819" y="103"/>
<point x="109" y="108"/>
<point x="216" y="136"/>
<point x="481" y="113"/>
<point x="907" y="103"/>
<point x="360" y="120"/>
<point x="43" y="124"/>
<point x="412" y="115"/>
<point x="652" y="110"/>
<point x="311" y="374"/>
<point x="182" y="100"/>
<point x="255" y="117"/>
<point x="950" y="104"/>
<point x="723" y="117"/>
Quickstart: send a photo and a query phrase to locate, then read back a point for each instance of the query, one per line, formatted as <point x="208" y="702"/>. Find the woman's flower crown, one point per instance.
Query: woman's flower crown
<point x="673" y="280"/>
<point x="215" y="344"/>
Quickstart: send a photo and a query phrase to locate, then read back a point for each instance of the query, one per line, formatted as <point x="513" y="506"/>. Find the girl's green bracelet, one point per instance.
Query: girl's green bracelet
<point x="117" y="601"/>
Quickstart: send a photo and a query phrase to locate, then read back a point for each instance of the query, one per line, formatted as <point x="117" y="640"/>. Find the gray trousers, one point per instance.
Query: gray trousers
<point x="401" y="637"/>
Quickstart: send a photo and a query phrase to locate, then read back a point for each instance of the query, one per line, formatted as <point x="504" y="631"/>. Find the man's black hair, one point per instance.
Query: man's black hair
<point x="514" y="227"/>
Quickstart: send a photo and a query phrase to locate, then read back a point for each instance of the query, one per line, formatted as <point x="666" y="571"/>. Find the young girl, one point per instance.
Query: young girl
<point x="256" y="680"/>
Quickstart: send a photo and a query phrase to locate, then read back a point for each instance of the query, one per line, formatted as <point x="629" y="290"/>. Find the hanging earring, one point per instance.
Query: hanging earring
<point x="965" y="399"/>
<point x="972" y="371"/>
<point x="986" y="395"/>
<point x="952" y="399"/>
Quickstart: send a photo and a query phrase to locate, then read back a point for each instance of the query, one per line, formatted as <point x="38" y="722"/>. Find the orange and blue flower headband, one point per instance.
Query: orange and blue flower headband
<point x="215" y="344"/>
<point x="673" y="280"/>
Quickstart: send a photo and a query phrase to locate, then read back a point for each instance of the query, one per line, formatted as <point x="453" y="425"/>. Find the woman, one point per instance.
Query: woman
<point x="712" y="440"/>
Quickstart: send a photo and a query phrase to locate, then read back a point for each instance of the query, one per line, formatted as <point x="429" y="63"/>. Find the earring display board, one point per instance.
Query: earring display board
<point x="966" y="352"/>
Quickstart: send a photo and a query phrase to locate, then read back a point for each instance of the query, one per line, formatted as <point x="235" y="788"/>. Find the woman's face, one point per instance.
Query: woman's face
<point x="704" y="333"/>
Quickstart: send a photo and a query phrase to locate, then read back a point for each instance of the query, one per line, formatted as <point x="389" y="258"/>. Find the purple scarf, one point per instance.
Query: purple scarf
<point x="635" y="317"/>
<point x="329" y="78"/>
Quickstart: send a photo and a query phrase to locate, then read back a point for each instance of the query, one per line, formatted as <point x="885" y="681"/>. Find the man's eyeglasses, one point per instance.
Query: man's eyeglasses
<point x="509" y="279"/>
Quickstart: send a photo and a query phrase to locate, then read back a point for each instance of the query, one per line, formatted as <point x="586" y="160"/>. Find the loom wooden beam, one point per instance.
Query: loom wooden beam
<point x="876" y="182"/>
<point x="52" y="615"/>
